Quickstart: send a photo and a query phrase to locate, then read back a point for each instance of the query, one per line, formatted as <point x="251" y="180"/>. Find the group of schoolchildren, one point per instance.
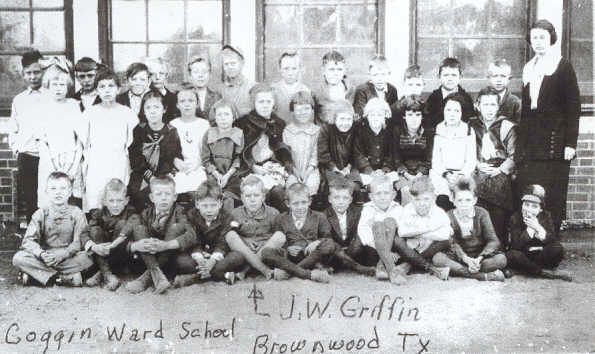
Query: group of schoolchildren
<point x="278" y="180"/>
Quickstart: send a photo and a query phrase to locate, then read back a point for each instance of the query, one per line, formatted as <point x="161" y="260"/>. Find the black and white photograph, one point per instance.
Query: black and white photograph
<point x="297" y="176"/>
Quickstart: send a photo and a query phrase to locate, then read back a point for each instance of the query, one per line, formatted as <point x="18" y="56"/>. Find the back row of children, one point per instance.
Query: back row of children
<point x="288" y="151"/>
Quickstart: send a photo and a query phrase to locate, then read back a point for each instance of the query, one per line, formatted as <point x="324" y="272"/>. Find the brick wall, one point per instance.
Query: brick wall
<point x="581" y="191"/>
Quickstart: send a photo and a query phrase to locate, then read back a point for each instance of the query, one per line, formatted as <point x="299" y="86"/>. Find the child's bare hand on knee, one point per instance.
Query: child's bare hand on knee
<point x="294" y="251"/>
<point x="47" y="257"/>
<point x="311" y="247"/>
<point x="144" y="246"/>
<point x="101" y="249"/>
<point x="59" y="256"/>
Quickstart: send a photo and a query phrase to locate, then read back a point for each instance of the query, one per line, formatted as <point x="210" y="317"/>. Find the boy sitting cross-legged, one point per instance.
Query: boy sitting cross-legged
<point x="162" y="238"/>
<point x="110" y="229"/>
<point x="306" y="234"/>
<point x="51" y="248"/>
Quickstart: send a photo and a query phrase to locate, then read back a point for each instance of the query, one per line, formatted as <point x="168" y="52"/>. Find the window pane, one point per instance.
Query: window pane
<point x="433" y="17"/>
<point x="582" y="59"/>
<point x="125" y="54"/>
<point x="14" y="30"/>
<point x="15" y="3"/>
<point x="48" y="3"/>
<point x="320" y="25"/>
<point x="281" y="25"/>
<point x="11" y="81"/>
<point x="475" y="66"/>
<point x="430" y="53"/>
<point x="358" y="24"/>
<point x="48" y="31"/>
<point x="212" y="51"/>
<point x="508" y="17"/>
<point x="469" y="17"/>
<point x="205" y="20"/>
<point x="166" y="20"/>
<point x="175" y="55"/>
<point x="123" y="28"/>
<point x="582" y="19"/>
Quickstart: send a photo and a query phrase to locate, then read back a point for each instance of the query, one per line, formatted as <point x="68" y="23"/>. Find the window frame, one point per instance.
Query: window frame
<point x="104" y="12"/>
<point x="471" y="85"/>
<point x="260" y="33"/>
<point x="68" y="52"/>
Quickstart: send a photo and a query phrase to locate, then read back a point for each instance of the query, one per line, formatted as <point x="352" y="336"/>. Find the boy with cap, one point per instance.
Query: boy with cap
<point x="85" y="71"/>
<point x="23" y="134"/>
<point x="235" y="87"/>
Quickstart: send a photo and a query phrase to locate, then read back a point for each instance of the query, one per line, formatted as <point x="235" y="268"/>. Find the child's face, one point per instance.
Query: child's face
<point x="139" y="83"/>
<point x="499" y="77"/>
<point x="449" y="78"/>
<point x="414" y="86"/>
<point x="158" y="75"/>
<point x="253" y="197"/>
<point x="107" y="90"/>
<point x="115" y="202"/>
<point x="452" y="112"/>
<point x="163" y="196"/>
<point x="303" y="113"/>
<point x="232" y="65"/>
<point x="208" y="208"/>
<point x="290" y="69"/>
<point x="333" y="72"/>
<point x="488" y="107"/>
<point x="464" y="200"/>
<point x="530" y="209"/>
<point x="413" y="119"/>
<point x="200" y="74"/>
<point x="264" y="103"/>
<point x="58" y="88"/>
<point x="376" y="118"/>
<point x="299" y="203"/>
<point x="382" y="195"/>
<point x="187" y="103"/>
<point x="540" y="40"/>
<point x="58" y="191"/>
<point x="154" y="111"/>
<point x="344" y="121"/>
<point x="423" y="202"/>
<point x="379" y="77"/>
<point x="86" y="79"/>
<point x="340" y="199"/>
<point x="224" y="117"/>
<point x="32" y="75"/>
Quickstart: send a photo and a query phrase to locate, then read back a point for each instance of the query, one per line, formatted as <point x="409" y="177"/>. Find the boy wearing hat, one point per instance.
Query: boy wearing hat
<point x="235" y="87"/>
<point x="23" y="134"/>
<point x="533" y="240"/>
<point x="85" y="71"/>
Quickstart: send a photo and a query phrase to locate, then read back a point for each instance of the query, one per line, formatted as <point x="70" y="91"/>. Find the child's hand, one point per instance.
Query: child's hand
<point x="101" y="249"/>
<point x="534" y="224"/>
<point x="59" y="255"/>
<point x="224" y="179"/>
<point x="144" y="246"/>
<point x="159" y="246"/>
<point x="294" y="251"/>
<point x="311" y="247"/>
<point x="47" y="257"/>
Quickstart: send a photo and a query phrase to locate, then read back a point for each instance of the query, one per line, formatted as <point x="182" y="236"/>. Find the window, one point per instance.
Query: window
<point x="578" y="43"/>
<point x="314" y="28"/>
<point x="45" y="25"/>
<point x="474" y="31"/>
<point x="174" y="30"/>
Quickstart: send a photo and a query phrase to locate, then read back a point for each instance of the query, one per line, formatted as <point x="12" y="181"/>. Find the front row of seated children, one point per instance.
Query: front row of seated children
<point x="166" y="243"/>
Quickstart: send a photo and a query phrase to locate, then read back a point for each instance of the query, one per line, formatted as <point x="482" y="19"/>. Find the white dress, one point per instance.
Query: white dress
<point x="107" y="136"/>
<point x="191" y="136"/>
<point x="59" y="145"/>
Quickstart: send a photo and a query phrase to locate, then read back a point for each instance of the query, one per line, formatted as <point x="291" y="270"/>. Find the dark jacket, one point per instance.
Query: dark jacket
<point x="315" y="227"/>
<point x="366" y="91"/>
<point x="171" y="101"/>
<point x="373" y="152"/>
<point x="253" y="126"/>
<point x="510" y="107"/>
<point x="434" y="111"/>
<point x="503" y="134"/>
<point x="177" y="216"/>
<point x="335" y="148"/>
<point x="101" y="221"/>
<point x="210" y="98"/>
<point x="211" y="238"/>
<point x="482" y="241"/>
<point x="547" y="130"/>
<point x="415" y="152"/>
<point x="77" y="96"/>
<point x="353" y="215"/>
<point x="518" y="238"/>
<point x="169" y="148"/>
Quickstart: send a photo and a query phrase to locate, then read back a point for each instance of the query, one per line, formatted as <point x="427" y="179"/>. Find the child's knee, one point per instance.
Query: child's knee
<point x="268" y="254"/>
<point x="498" y="261"/>
<point x="97" y="234"/>
<point x="440" y="259"/>
<point x="232" y="237"/>
<point x="20" y="259"/>
<point x="327" y="246"/>
<point x="176" y="229"/>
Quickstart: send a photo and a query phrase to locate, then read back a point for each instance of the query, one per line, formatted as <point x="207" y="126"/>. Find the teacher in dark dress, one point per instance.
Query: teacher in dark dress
<point x="548" y="130"/>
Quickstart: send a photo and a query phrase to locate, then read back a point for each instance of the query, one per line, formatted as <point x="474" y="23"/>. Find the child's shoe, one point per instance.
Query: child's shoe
<point x="381" y="273"/>
<point x="508" y="273"/>
<point x="139" y="284"/>
<point x="183" y="280"/>
<point x="496" y="275"/>
<point x="159" y="280"/>
<point x="440" y="272"/>
<point x="404" y="268"/>
<point x="230" y="278"/>
<point x="320" y="276"/>
<point x="24" y="278"/>
<point x="555" y="274"/>
<point x="111" y="281"/>
<point x="280" y="274"/>
<point x="396" y="277"/>
<point x="75" y="279"/>
<point x="94" y="280"/>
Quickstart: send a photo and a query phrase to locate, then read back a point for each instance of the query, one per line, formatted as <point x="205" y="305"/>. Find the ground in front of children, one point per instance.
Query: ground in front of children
<point x="351" y="314"/>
